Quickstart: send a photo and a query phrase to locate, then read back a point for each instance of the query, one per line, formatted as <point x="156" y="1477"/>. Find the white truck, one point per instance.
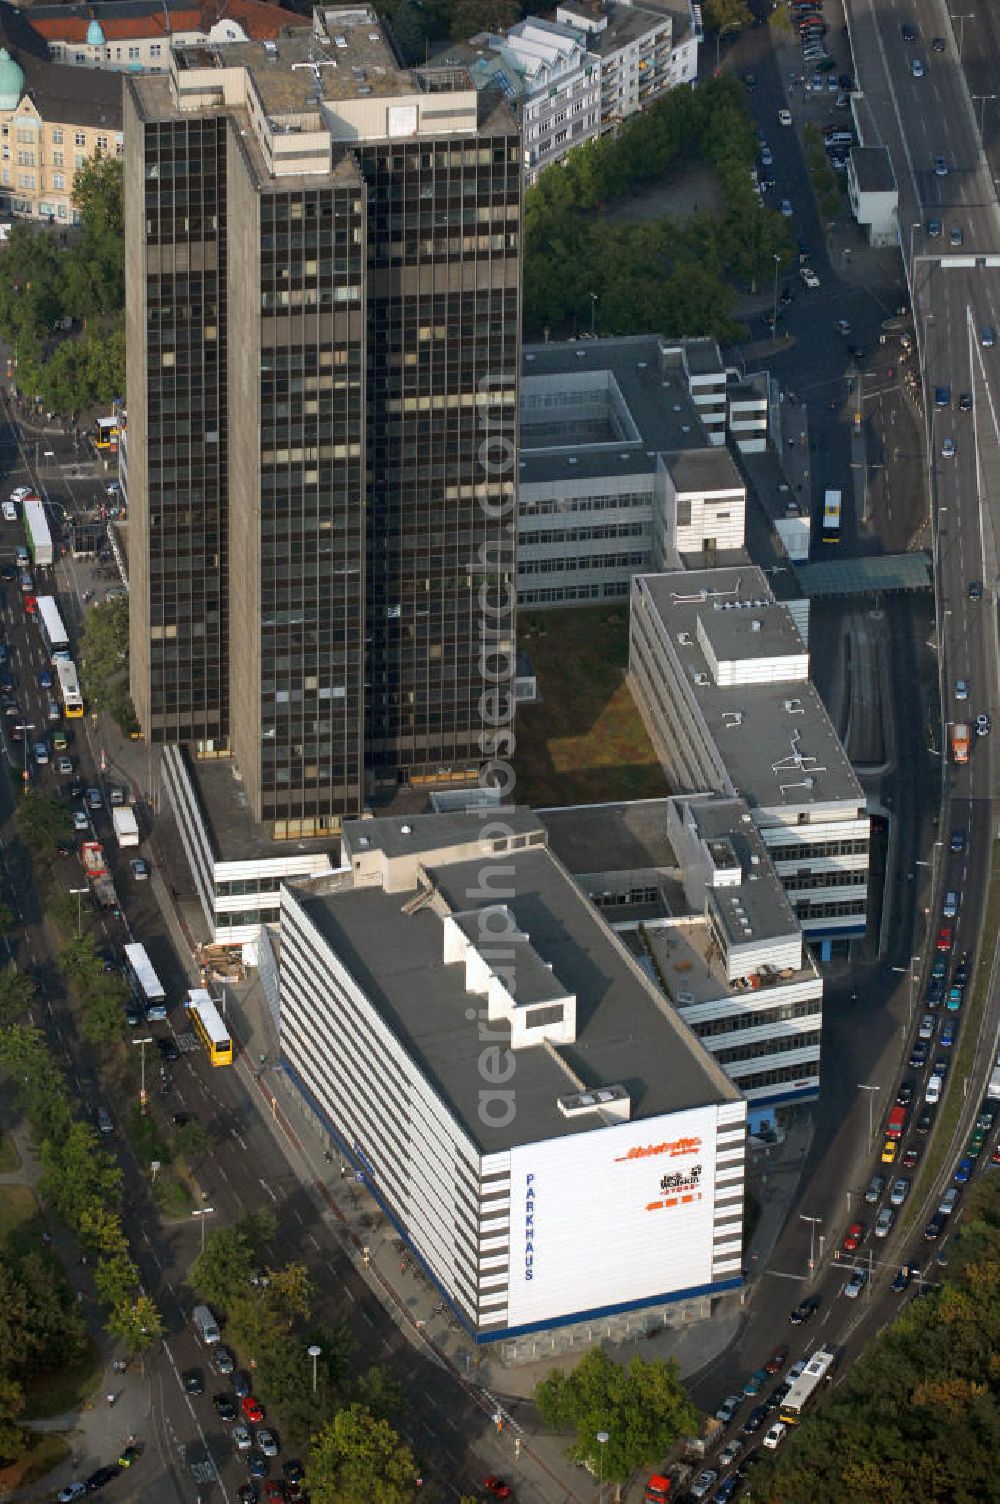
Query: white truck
<point x="126" y="826"/>
<point x="36" y="530"/>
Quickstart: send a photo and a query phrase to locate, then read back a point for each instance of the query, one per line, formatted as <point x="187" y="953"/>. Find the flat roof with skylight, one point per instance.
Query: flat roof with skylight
<point x="767" y="720"/>
<point x="625" y="1035"/>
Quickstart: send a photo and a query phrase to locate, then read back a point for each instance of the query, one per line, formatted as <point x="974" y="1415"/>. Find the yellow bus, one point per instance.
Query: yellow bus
<point x="69" y="688"/>
<point x="209" y="1027"/>
<point x="106" y="431"/>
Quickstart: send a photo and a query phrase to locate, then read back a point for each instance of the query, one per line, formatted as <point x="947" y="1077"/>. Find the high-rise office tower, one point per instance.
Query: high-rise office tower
<point x="323" y="305"/>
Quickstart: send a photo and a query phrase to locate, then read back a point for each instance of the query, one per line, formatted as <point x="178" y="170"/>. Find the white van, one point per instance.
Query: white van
<point x="206" y="1325"/>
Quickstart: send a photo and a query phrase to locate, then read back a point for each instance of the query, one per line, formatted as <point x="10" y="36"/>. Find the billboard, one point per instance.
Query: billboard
<point x="613" y="1215"/>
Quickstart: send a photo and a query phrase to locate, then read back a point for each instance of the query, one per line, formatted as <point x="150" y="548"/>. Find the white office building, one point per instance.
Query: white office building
<point x="236" y="870"/>
<point x="688" y="883"/>
<point x="720" y="672"/>
<point x="562" y="1156"/>
<point x="622" y="468"/>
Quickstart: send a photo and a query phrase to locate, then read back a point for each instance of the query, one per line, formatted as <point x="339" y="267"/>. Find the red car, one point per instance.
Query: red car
<point x="252" y="1409"/>
<point x="497" y="1487"/>
<point x="31" y="605"/>
<point x="855" y="1233"/>
<point x="910" y="1158"/>
<point x="777" y="1360"/>
<point x="275" y="1488"/>
<point x="995" y="1157"/>
<point x="945" y="938"/>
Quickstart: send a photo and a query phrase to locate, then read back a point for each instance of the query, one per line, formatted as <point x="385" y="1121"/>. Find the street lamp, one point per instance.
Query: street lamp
<point x="314" y="1353"/>
<point x="871" y="1090"/>
<point x="25" y="726"/>
<point x="814" y="1222"/>
<point x="78" y="893"/>
<point x="961" y="31"/>
<point x="914" y="976"/>
<point x="984" y="100"/>
<point x="593" y="313"/>
<point x="774" y="310"/>
<point x="142" y="1044"/>
<point x="602" y="1440"/>
<point x="203" y="1212"/>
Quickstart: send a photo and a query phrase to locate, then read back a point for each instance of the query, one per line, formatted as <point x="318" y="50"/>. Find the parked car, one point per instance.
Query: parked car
<point x="728" y="1408"/>
<point x="755" y="1420"/>
<point x="775" y="1436"/>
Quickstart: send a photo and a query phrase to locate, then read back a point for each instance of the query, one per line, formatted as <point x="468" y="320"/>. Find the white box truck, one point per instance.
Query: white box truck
<point x="126" y="827"/>
<point x="206" y="1325"/>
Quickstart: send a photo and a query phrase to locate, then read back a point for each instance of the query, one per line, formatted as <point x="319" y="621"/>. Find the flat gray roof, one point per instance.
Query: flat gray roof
<point x="758" y="901"/>
<point x="398" y="835"/>
<point x="650" y="380"/>
<point x="775" y="737"/>
<point x="225" y="808"/>
<point x="623" y="837"/>
<point x="873" y="169"/>
<point x="704" y="470"/>
<point x="626" y="1033"/>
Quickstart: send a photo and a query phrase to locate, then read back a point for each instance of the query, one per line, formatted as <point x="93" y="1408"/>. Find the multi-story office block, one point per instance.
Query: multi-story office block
<point x="720" y="672"/>
<point x="621" y="468"/>
<point x="511" y="1085"/>
<point x="323" y="340"/>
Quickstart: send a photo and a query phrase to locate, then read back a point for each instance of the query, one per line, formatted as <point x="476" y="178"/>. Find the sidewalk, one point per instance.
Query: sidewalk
<point x="96" y="1433"/>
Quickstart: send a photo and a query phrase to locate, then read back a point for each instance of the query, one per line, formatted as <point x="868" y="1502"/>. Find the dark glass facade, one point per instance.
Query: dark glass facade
<point x="443" y="315"/>
<point x="183" y="694"/>
<point x="329" y="392"/>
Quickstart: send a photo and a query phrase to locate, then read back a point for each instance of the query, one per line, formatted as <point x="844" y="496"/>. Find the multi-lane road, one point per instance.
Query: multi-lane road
<point x="187" y="1453"/>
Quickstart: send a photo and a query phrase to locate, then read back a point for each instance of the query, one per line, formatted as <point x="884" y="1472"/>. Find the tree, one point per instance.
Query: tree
<point x="15" y="1328"/>
<point x="643" y="1408"/>
<point x="290" y="1292"/>
<point x="101" y="1229"/>
<point x="356" y="1458"/>
<point x="137" y="1322"/>
<point x="190" y="1141"/>
<point x="468" y="17"/>
<point x="259" y="1228"/>
<point x="221" y="1274"/>
<point x="98" y="194"/>
<point x="379" y="1392"/>
<point x="78" y="1176"/>
<point x="16" y="995"/>
<point x="103" y="1019"/>
<point x="116" y="1279"/>
<point x="43" y="822"/>
<point x="725" y="15"/>
<point x="104" y="657"/>
<point x="285" y="1380"/>
<point x="58" y="1331"/>
<point x="12" y="1439"/>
